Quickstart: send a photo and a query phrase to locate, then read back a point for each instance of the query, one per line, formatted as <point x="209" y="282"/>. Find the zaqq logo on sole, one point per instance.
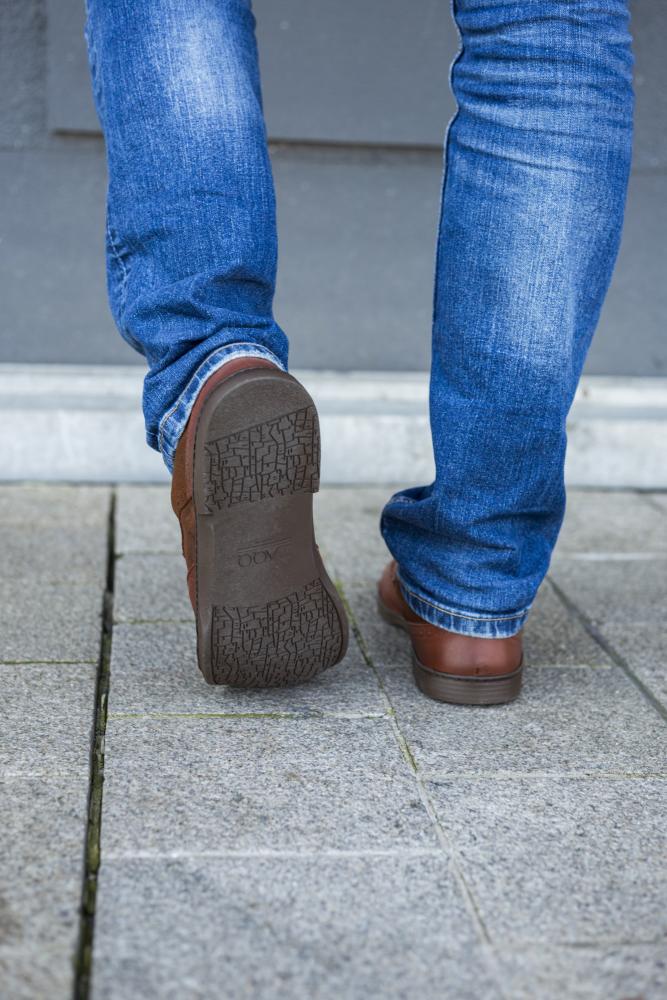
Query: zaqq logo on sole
<point x="260" y="552"/>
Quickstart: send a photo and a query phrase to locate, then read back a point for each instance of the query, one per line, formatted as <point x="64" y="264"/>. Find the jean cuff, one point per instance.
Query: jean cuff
<point x="174" y="421"/>
<point x="473" y="623"/>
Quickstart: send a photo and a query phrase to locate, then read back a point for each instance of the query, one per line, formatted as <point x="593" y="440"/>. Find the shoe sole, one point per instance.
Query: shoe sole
<point x="454" y="688"/>
<point x="267" y="613"/>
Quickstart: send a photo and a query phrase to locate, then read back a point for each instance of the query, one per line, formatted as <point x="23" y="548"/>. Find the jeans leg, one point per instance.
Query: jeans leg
<point x="191" y="232"/>
<point x="537" y="161"/>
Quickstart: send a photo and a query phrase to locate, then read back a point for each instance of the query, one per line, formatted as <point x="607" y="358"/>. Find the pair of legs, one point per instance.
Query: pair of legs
<point x="537" y="161"/>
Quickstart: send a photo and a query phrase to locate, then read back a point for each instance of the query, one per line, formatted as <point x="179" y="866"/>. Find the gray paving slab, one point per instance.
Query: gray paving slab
<point x="583" y="716"/>
<point x="347" y="523"/>
<point x="565" y="722"/>
<point x="622" y="522"/>
<point x="151" y="588"/>
<point x="596" y="523"/>
<point x="50" y="622"/>
<point x="154" y="669"/>
<point x="561" y="861"/>
<point x="145" y="521"/>
<point x="302" y="928"/>
<point x="46" y="718"/>
<point x="73" y="553"/>
<point x="659" y="499"/>
<point x="555" y="636"/>
<point x="632" y="591"/>
<point x="53" y="573"/>
<point x="592" y="973"/>
<point x="41" y="844"/>
<point x="34" y="505"/>
<point x="288" y="824"/>
<point x="215" y="785"/>
<point x="644" y="649"/>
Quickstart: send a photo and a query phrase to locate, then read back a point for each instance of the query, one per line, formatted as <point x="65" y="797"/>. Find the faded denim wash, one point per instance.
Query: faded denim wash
<point x="537" y="162"/>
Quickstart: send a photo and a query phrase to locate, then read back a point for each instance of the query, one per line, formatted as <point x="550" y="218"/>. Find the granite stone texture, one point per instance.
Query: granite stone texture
<point x="623" y="592"/>
<point x="602" y="972"/>
<point x="644" y="650"/>
<point x="583" y="716"/>
<point x="49" y="622"/>
<point x="347" y="525"/>
<point x="218" y="784"/>
<point x="41" y="503"/>
<point x="41" y="846"/>
<point x="53" y="572"/>
<point x="565" y="722"/>
<point x="658" y="500"/>
<point x="621" y="522"/>
<point x="54" y="541"/>
<point x="47" y="718"/>
<point x="54" y="554"/>
<point x="555" y="636"/>
<point x="145" y="521"/>
<point x="151" y="588"/>
<point x="568" y="861"/>
<point x="348" y="837"/>
<point x="285" y="927"/>
<point x="154" y="669"/>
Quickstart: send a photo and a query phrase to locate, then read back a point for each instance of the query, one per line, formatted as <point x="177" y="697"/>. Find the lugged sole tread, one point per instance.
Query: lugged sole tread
<point x="268" y="459"/>
<point x="283" y="642"/>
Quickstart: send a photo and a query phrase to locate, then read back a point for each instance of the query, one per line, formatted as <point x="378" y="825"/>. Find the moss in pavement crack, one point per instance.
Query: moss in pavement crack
<point x="83" y="965"/>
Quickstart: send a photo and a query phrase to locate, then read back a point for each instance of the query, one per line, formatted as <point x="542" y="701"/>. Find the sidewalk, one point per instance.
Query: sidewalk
<point x="346" y="839"/>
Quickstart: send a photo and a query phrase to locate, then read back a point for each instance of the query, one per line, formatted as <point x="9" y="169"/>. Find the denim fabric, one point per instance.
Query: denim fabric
<point x="537" y="161"/>
<point x="191" y="230"/>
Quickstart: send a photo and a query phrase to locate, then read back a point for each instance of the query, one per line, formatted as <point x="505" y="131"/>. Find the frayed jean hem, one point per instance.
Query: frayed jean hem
<point x="472" y="623"/>
<point x="173" y="423"/>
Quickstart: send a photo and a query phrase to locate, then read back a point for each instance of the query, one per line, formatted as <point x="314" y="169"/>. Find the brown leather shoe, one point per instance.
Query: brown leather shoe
<point x="462" y="669"/>
<point x="245" y="470"/>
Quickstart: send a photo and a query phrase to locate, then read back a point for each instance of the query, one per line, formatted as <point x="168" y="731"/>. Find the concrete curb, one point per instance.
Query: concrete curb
<point x="83" y="423"/>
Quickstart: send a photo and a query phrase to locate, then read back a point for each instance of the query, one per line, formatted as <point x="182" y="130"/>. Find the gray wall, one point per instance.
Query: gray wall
<point x="357" y="102"/>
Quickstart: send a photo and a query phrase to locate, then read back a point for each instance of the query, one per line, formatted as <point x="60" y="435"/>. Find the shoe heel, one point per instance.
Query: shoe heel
<point x="467" y="690"/>
<point x="267" y="613"/>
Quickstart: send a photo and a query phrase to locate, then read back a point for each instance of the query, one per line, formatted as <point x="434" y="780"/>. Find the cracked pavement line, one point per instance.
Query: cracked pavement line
<point x="92" y="860"/>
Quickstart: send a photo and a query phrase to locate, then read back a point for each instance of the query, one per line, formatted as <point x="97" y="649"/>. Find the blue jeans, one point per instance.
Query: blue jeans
<point x="537" y="161"/>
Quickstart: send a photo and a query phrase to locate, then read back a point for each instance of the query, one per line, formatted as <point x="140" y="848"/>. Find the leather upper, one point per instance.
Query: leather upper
<point x="448" y="652"/>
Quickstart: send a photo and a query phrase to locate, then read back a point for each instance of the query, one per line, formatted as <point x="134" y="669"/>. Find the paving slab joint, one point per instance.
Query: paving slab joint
<point x="447" y="846"/>
<point x="647" y="497"/>
<point x="607" y="646"/>
<point x="84" y="955"/>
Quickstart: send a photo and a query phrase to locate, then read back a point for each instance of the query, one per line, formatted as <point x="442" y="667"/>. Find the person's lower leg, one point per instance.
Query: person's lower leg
<point x="191" y="236"/>
<point x="537" y="165"/>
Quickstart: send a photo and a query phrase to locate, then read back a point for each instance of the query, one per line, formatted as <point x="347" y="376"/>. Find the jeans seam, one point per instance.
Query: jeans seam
<point x="441" y="208"/>
<point x="457" y="614"/>
<point x="113" y="244"/>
